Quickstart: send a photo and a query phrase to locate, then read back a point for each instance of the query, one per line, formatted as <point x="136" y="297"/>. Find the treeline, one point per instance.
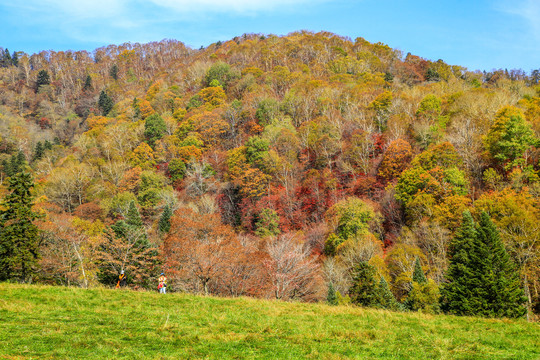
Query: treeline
<point x="307" y="166"/>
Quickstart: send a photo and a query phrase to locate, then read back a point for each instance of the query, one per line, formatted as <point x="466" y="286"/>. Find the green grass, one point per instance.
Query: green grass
<point x="58" y="323"/>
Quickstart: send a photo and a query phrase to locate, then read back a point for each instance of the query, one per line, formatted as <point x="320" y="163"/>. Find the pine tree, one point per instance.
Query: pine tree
<point x="42" y="79"/>
<point x="482" y="280"/>
<point x="47" y="145"/>
<point x="499" y="277"/>
<point x="39" y="151"/>
<point x="133" y="217"/>
<point x="365" y="288"/>
<point x="113" y="72"/>
<point x="15" y="59"/>
<point x="105" y="103"/>
<point x="87" y="83"/>
<point x="331" y="297"/>
<point x="458" y="295"/>
<point x="165" y="220"/>
<point x="19" y="238"/>
<point x="387" y="300"/>
<point x="418" y="274"/>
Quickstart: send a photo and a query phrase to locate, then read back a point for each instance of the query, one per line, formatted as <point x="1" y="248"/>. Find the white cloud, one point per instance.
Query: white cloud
<point x="231" y="6"/>
<point x="528" y="10"/>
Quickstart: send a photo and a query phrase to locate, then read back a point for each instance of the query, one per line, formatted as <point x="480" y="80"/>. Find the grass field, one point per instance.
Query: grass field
<point x="42" y="322"/>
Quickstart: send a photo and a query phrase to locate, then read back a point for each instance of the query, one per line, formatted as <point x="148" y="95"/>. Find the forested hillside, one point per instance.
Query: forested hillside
<point x="307" y="166"/>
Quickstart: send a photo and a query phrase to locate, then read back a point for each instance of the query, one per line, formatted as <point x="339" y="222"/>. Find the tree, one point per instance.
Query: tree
<point x="387" y="300"/>
<point x="87" y="83"/>
<point x="509" y="137"/>
<point x="331" y="297"/>
<point x="165" y="220"/>
<point x="364" y="290"/>
<point x="126" y="247"/>
<point x="154" y="129"/>
<point x="482" y="280"/>
<point x="292" y="272"/>
<point x="113" y="72"/>
<point x="42" y="79"/>
<point x="418" y="274"/>
<point x="19" y="240"/>
<point x="105" y="103"/>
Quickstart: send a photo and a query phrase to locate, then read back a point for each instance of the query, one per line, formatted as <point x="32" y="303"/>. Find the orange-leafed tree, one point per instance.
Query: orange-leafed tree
<point x="197" y="250"/>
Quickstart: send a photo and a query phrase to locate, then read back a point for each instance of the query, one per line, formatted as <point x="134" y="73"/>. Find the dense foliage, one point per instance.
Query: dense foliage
<point x="272" y="166"/>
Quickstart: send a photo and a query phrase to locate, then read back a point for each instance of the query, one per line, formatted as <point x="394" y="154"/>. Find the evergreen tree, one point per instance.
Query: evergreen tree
<point x="113" y="72"/>
<point x="458" y="295"/>
<point x="105" y="103"/>
<point x="482" y="280"/>
<point x="87" y="83"/>
<point x="154" y="128"/>
<point x="47" y="145"/>
<point x="133" y="217"/>
<point x="418" y="274"/>
<point x="331" y="298"/>
<point x="39" y="151"/>
<point x="387" y="300"/>
<point x="365" y="288"/>
<point x="19" y="238"/>
<point x="15" y="59"/>
<point x="499" y="276"/>
<point x="6" y="58"/>
<point x="165" y="220"/>
<point x="42" y="79"/>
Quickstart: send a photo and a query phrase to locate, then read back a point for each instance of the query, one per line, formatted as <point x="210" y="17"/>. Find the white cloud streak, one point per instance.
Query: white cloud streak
<point x="528" y="10"/>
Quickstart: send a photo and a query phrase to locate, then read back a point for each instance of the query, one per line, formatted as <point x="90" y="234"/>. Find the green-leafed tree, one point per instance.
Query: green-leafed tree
<point x="165" y="220"/>
<point x="87" y="83"/>
<point x="126" y="247"/>
<point x="482" y="280"/>
<point x="499" y="274"/>
<point x="105" y="103"/>
<point x="418" y="274"/>
<point x="364" y="290"/>
<point x="387" y="300"/>
<point x="113" y="72"/>
<point x="19" y="239"/>
<point x="331" y="297"/>
<point x="154" y="128"/>
<point x="42" y="79"/>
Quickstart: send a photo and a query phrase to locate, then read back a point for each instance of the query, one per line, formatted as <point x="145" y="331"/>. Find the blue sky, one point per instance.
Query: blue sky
<point x="477" y="34"/>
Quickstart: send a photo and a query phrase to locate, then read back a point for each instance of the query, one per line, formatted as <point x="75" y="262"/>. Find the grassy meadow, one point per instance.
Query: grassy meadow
<point x="44" y="322"/>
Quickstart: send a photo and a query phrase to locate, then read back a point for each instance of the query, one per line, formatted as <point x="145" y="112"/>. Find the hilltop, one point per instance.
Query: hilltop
<point x="268" y="166"/>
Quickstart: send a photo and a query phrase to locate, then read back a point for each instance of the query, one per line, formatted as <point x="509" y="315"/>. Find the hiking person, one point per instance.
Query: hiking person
<point x="162" y="286"/>
<point x="122" y="281"/>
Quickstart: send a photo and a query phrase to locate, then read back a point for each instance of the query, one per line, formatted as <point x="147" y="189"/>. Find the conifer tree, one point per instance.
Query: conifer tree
<point x="458" y="295"/>
<point x="42" y="79"/>
<point x="113" y="72"/>
<point x="15" y="59"/>
<point x="87" y="83"/>
<point x="387" y="300"/>
<point x="331" y="297"/>
<point x="365" y="287"/>
<point x="499" y="276"/>
<point x="482" y="280"/>
<point x="105" y="103"/>
<point x="19" y="238"/>
<point x="418" y="274"/>
<point x="165" y="220"/>
<point x="39" y="151"/>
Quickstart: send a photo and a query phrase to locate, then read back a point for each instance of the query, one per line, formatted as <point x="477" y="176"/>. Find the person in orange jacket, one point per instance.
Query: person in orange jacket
<point x="162" y="286"/>
<point x="122" y="281"/>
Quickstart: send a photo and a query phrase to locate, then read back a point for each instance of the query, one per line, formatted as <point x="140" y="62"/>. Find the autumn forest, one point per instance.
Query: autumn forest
<point x="307" y="167"/>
